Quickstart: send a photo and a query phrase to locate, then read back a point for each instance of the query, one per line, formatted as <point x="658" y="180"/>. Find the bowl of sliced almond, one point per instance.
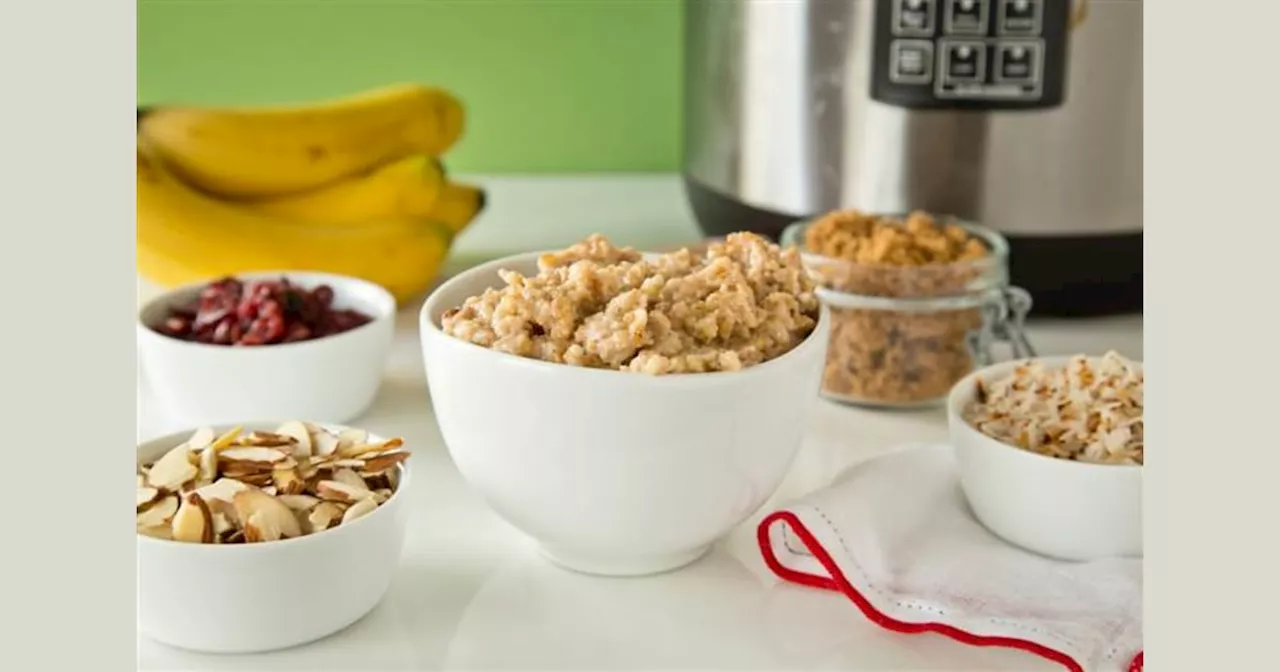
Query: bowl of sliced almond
<point x="263" y="536"/>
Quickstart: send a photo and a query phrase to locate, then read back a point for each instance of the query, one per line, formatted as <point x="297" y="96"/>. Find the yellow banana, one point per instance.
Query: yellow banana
<point x="272" y="151"/>
<point x="408" y="188"/>
<point x="186" y="236"/>
<point x="458" y="205"/>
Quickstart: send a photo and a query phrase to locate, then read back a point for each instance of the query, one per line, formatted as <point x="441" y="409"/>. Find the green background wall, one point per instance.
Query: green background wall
<point x="550" y="85"/>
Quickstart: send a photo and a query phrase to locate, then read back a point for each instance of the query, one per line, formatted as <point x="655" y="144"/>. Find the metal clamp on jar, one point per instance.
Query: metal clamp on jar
<point x="902" y="336"/>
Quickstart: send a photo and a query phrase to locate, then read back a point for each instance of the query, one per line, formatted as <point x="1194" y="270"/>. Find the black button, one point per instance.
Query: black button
<point x="1019" y="17"/>
<point x="967" y="17"/>
<point x="965" y="62"/>
<point x="1018" y="63"/>
<point x="914" y="17"/>
<point x="911" y="62"/>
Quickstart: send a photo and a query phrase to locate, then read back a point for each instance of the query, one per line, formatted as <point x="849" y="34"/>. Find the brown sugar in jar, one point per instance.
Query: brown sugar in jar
<point x="915" y="303"/>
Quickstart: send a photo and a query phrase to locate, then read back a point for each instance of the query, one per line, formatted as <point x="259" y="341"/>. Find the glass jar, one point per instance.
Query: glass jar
<point x="902" y="336"/>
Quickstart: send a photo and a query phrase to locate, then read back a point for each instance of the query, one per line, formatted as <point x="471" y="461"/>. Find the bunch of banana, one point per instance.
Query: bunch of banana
<point x="352" y="186"/>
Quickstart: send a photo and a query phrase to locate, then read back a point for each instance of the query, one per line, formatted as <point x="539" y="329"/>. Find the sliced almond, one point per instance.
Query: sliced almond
<point x="336" y="491"/>
<point x="159" y="513"/>
<point x="261" y="479"/>
<point x="310" y="469"/>
<point x="384" y="461"/>
<point x="365" y="449"/>
<point x="288" y="481"/>
<point x="157" y="531"/>
<point x="266" y="516"/>
<point x="193" y="522"/>
<point x="146" y="496"/>
<point x="377" y="481"/>
<point x="255" y="454"/>
<point x="324" y="444"/>
<point x="324" y="516"/>
<point x="239" y="469"/>
<point x="351" y="478"/>
<point x="222" y="523"/>
<point x="352" y="437"/>
<point x="360" y="508"/>
<point x="208" y="466"/>
<point x="201" y="439"/>
<point x="173" y="469"/>
<point x="265" y="525"/>
<point x="226" y="439"/>
<point x="223" y="510"/>
<point x="297" y="431"/>
<point x="267" y="439"/>
<point x="224" y="489"/>
<point x="263" y="486"/>
<point x="298" y="502"/>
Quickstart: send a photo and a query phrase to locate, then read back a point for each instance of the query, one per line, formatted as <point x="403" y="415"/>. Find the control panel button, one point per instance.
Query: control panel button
<point x="914" y="18"/>
<point x="1019" y="17"/>
<point x="1018" y="62"/>
<point x="966" y="17"/>
<point x="964" y="62"/>
<point x="911" y="61"/>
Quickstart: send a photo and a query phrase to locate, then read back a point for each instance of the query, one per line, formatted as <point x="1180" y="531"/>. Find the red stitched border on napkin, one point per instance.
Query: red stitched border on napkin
<point x="838" y="582"/>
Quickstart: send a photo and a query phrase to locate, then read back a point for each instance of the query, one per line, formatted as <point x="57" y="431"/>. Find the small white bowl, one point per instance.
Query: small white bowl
<point x="612" y="472"/>
<point x="1059" y="508"/>
<point x="247" y="598"/>
<point x="335" y="377"/>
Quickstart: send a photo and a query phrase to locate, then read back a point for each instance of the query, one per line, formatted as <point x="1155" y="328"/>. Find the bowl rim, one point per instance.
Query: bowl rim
<point x="403" y="482"/>
<point x="385" y="308"/>
<point x="429" y="329"/>
<point x="962" y="392"/>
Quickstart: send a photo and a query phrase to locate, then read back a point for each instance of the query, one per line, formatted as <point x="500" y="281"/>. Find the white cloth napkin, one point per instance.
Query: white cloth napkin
<point x="896" y="536"/>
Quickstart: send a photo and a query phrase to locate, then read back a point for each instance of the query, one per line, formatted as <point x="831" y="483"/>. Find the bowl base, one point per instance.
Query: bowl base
<point x="586" y="563"/>
<point x="230" y="647"/>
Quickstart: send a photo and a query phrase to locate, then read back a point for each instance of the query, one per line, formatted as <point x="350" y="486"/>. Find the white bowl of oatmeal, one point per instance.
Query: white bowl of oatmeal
<point x="626" y="413"/>
<point x="1050" y="453"/>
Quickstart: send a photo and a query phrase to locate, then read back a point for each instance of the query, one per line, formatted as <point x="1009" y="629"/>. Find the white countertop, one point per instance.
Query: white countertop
<point x="473" y="593"/>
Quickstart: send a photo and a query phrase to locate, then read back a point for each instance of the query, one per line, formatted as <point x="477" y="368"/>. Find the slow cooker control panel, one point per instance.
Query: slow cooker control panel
<point x="970" y="54"/>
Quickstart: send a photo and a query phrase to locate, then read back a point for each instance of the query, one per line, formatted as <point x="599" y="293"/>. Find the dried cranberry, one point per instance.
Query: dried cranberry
<point x="292" y="301"/>
<point x="187" y="312"/>
<point x="297" y="332"/>
<point x="177" y="326"/>
<point x="228" y="312"/>
<point x="265" y="329"/>
<point x="323" y="294"/>
<point x="271" y="308"/>
<point x="222" y="333"/>
<point x="247" y="310"/>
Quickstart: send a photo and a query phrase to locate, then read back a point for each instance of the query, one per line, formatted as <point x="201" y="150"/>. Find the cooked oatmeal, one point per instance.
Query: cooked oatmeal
<point x="1088" y="410"/>
<point x="742" y="302"/>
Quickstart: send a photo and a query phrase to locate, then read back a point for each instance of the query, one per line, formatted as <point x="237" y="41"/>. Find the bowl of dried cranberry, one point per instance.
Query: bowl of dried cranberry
<point x="267" y="344"/>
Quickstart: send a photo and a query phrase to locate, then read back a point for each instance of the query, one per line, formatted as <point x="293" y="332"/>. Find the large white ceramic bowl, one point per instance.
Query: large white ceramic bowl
<point x="611" y="472"/>
<point x="246" y="598"/>
<point x="334" y="378"/>
<point x="1059" y="508"/>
